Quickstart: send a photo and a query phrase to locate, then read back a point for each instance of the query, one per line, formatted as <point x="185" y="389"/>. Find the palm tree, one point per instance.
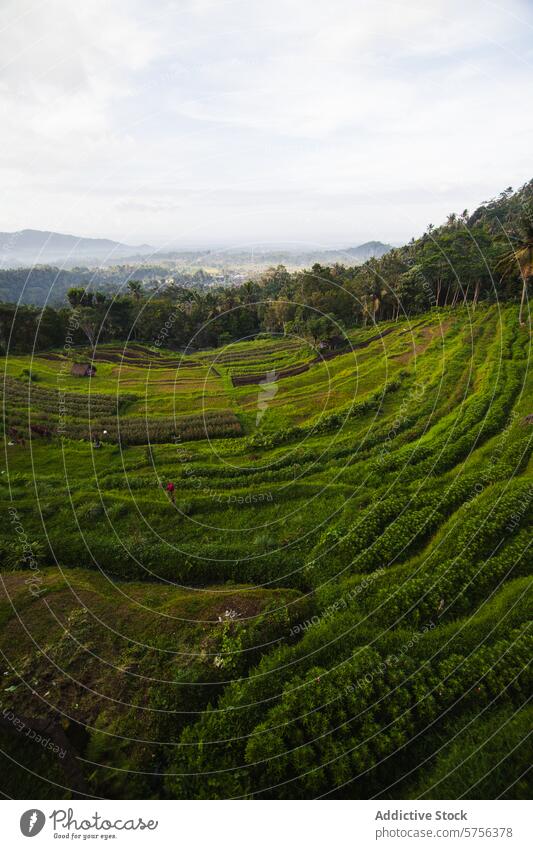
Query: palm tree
<point x="135" y="287"/>
<point x="247" y="292"/>
<point x="522" y="254"/>
<point x="451" y="221"/>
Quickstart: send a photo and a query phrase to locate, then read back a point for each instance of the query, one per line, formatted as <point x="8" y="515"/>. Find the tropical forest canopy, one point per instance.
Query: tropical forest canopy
<point x="469" y="258"/>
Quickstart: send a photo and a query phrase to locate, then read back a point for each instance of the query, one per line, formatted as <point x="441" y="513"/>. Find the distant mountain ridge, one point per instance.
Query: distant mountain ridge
<point x="368" y="250"/>
<point x="41" y="246"/>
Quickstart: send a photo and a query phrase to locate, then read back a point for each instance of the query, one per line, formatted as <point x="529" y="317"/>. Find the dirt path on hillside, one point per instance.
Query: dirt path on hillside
<point x="429" y="335"/>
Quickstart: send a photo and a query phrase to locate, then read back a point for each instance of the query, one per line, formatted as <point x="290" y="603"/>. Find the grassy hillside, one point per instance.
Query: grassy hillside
<point x="337" y="601"/>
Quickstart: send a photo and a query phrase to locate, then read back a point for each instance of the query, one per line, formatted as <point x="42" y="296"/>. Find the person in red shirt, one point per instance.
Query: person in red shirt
<point x="170" y="491"/>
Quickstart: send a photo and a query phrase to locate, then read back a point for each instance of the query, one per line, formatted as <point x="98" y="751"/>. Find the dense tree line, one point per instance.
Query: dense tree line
<point x="42" y="285"/>
<point x="484" y="256"/>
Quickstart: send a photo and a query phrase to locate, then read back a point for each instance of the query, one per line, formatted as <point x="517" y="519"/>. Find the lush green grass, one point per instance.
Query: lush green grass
<point x="378" y="500"/>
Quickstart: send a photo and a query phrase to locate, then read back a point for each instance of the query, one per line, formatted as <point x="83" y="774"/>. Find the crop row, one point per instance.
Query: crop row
<point x="335" y="725"/>
<point x="72" y="403"/>
<point x="128" y="431"/>
<point x="327" y="423"/>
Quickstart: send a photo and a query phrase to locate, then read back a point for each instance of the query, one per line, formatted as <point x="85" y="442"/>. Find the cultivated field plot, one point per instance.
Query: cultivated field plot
<point x="335" y="597"/>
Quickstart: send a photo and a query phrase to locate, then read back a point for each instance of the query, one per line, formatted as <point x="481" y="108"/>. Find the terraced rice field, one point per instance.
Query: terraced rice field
<point x="335" y="605"/>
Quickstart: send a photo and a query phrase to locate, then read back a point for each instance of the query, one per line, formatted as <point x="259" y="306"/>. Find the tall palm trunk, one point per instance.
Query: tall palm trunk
<point x="476" y="295"/>
<point x="521" y="321"/>
<point x="525" y="261"/>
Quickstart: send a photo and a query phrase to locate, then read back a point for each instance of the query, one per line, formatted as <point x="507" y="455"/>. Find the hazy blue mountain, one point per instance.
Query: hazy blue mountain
<point x="368" y="250"/>
<point x="258" y="256"/>
<point x="41" y="246"/>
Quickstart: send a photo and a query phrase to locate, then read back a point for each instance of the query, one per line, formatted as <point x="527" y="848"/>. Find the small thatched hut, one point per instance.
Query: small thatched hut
<point x="83" y="370"/>
<point x="333" y="343"/>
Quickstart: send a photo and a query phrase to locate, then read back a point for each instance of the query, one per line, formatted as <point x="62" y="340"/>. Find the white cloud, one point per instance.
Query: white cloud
<point x="240" y="120"/>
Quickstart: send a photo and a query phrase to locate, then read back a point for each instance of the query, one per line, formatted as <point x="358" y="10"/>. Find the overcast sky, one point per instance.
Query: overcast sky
<point x="235" y="121"/>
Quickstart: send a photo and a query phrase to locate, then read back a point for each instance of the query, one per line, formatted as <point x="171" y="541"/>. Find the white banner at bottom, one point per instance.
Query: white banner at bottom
<point x="267" y="825"/>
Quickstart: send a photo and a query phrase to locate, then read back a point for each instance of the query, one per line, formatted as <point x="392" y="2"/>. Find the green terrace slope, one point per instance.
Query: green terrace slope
<point x="335" y="603"/>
